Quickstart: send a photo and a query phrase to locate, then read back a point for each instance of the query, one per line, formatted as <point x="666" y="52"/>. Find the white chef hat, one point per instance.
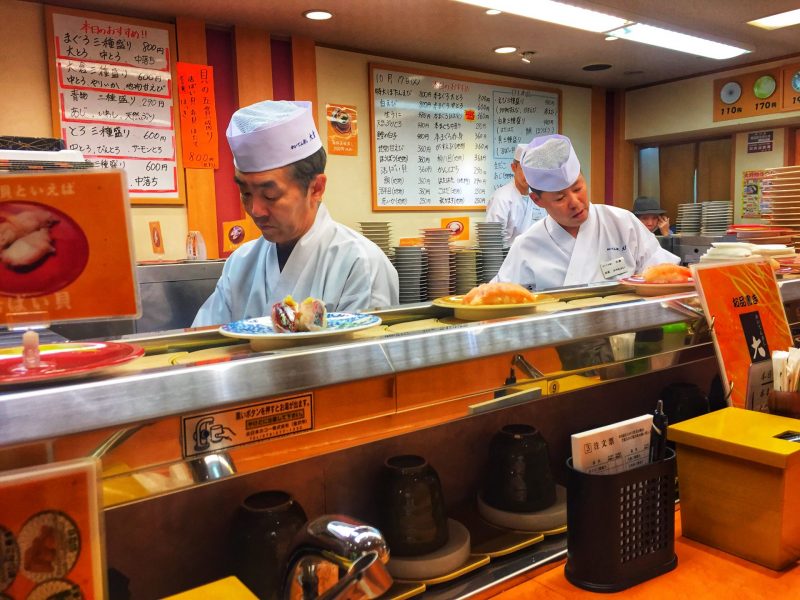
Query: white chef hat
<point x="550" y="163"/>
<point x="519" y="151"/>
<point x="272" y="134"/>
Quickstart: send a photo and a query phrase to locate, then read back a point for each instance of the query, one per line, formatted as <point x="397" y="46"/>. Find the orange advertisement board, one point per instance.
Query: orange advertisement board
<point x="342" y="129"/>
<point x="65" y="248"/>
<point x="743" y="304"/>
<point x="50" y="535"/>
<point x="748" y="95"/>
<point x="459" y="226"/>
<point x="198" y="112"/>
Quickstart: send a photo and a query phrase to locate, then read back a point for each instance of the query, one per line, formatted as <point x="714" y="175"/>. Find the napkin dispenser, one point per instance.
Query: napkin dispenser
<point x="739" y="477"/>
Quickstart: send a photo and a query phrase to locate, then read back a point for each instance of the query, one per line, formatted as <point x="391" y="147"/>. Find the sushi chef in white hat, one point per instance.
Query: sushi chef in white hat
<point x="280" y="164"/>
<point x="577" y="242"/>
<point x="511" y="205"/>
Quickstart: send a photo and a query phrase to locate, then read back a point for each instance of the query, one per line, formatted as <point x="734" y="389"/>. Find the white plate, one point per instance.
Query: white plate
<point x="263" y="336"/>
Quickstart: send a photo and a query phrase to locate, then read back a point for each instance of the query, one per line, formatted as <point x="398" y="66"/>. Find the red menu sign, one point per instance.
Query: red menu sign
<point x="198" y="116"/>
<point x="65" y="248"/>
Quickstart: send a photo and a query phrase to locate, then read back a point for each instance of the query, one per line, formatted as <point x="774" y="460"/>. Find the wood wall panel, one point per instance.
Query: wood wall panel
<point x="624" y="152"/>
<point x="304" y="67"/>
<point x="714" y="170"/>
<point x="598" y="145"/>
<point x="253" y="65"/>
<point x="677" y="165"/>
<point x="201" y="204"/>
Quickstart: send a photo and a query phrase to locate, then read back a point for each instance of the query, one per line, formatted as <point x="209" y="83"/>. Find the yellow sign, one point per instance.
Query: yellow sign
<point x="65" y="249"/>
<point x="342" y="129"/>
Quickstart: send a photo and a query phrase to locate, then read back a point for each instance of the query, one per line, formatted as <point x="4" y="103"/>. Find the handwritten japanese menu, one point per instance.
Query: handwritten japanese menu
<point x="198" y="116"/>
<point x="114" y="89"/>
<point x="444" y="143"/>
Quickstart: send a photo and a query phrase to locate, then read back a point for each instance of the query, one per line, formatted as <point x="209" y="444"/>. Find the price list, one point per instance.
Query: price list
<point x="442" y="143"/>
<point x="115" y="96"/>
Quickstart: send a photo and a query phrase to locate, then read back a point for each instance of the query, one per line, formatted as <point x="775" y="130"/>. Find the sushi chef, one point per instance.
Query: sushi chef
<point x="577" y="242"/>
<point x="511" y="205"/>
<point x="279" y="169"/>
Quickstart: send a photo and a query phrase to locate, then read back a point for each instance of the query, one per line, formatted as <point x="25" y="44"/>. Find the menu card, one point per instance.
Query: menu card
<point x="744" y="309"/>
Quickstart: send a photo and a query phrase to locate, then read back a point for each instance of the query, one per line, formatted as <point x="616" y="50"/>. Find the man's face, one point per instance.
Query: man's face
<point x="519" y="175"/>
<point x="569" y="207"/>
<point x="281" y="209"/>
<point x="649" y="221"/>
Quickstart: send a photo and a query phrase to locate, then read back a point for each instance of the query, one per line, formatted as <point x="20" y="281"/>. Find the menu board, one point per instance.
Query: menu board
<point x="445" y="143"/>
<point x="113" y="98"/>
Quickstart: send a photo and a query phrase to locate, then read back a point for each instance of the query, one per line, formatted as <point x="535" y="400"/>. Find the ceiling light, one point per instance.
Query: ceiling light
<point x="317" y="15"/>
<point x="493" y="11"/>
<point x="554" y="12"/>
<point x="505" y="49"/>
<point x="527" y="56"/>
<point x="784" y="19"/>
<point x="664" y="38"/>
<point x="611" y="38"/>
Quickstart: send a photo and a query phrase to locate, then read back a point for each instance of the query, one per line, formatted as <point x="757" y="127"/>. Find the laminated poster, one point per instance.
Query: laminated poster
<point x="342" y="129"/>
<point x="65" y="248"/>
<point x="50" y="534"/>
<point x="743" y="305"/>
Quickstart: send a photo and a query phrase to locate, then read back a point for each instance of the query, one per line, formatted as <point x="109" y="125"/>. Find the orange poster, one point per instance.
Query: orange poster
<point x="743" y="304"/>
<point x="236" y="233"/>
<point x="50" y="535"/>
<point x="156" y="239"/>
<point x="198" y="116"/>
<point x="342" y="129"/>
<point x="65" y="247"/>
<point x="459" y="226"/>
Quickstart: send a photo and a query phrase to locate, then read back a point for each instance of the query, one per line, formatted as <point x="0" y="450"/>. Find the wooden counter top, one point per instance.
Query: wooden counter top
<point x="702" y="572"/>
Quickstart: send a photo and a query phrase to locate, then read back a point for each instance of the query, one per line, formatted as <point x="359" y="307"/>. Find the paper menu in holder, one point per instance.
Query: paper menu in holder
<point x="744" y="309"/>
<point x="613" y="448"/>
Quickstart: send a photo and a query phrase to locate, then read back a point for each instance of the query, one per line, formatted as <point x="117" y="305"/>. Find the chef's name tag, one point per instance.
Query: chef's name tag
<point x="614" y="268"/>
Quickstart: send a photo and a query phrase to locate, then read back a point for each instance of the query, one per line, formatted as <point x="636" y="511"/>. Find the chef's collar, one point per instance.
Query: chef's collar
<point x="272" y="134"/>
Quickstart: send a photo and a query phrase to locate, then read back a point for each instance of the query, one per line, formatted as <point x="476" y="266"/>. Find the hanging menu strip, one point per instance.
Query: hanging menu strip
<point x="115" y="98"/>
<point x="441" y="143"/>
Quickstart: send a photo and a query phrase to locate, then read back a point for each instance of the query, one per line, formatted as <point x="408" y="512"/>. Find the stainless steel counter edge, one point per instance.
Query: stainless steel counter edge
<point x="43" y="413"/>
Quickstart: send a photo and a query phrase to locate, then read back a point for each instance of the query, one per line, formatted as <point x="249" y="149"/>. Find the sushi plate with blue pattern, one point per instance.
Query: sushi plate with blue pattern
<point x="260" y="329"/>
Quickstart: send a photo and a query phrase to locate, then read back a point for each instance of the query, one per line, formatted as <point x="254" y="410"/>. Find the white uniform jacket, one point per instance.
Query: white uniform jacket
<point x="517" y="212"/>
<point x="330" y="262"/>
<point x="546" y="256"/>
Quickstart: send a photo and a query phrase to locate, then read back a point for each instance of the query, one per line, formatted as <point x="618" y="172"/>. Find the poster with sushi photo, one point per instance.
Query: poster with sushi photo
<point x="65" y="247"/>
<point x="751" y="194"/>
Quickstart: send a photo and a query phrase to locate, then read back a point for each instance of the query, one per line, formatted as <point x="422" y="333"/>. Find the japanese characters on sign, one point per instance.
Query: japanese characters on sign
<point x="342" y="129"/>
<point x="752" y="186"/>
<point x="114" y="89"/>
<point x="198" y="116"/>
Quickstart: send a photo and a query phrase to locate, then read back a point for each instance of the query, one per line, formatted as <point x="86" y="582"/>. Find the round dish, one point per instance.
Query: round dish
<point x="730" y="92"/>
<point x="64" y="361"/>
<point x="641" y="287"/>
<point x="262" y="336"/>
<point x="481" y="312"/>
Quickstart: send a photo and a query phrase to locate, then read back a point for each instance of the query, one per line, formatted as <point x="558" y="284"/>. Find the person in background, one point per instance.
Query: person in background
<point x="280" y="171"/>
<point x="652" y="216"/>
<point x="511" y="205"/>
<point x="577" y="242"/>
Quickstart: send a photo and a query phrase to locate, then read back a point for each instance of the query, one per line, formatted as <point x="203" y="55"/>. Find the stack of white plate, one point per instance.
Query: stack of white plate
<point x="411" y="263"/>
<point x="490" y="242"/>
<point x="468" y="269"/>
<point x="441" y="265"/>
<point x="379" y="232"/>
<point x="690" y="218"/>
<point x="717" y="216"/>
<point x="781" y="200"/>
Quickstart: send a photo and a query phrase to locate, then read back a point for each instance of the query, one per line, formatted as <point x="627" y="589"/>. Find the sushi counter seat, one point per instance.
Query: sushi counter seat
<point x="702" y="572"/>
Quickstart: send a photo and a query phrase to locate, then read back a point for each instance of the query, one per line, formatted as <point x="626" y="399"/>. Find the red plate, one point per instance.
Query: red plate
<point x="56" y="270"/>
<point x="61" y="361"/>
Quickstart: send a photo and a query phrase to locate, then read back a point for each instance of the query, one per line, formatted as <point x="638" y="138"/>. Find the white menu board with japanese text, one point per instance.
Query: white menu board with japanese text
<point x="445" y="143"/>
<point x="114" y="96"/>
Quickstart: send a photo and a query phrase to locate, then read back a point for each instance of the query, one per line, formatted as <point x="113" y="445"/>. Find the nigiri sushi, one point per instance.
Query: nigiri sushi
<point x="28" y="249"/>
<point x="289" y="316"/>
<point x="498" y="293"/>
<point x="667" y="273"/>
